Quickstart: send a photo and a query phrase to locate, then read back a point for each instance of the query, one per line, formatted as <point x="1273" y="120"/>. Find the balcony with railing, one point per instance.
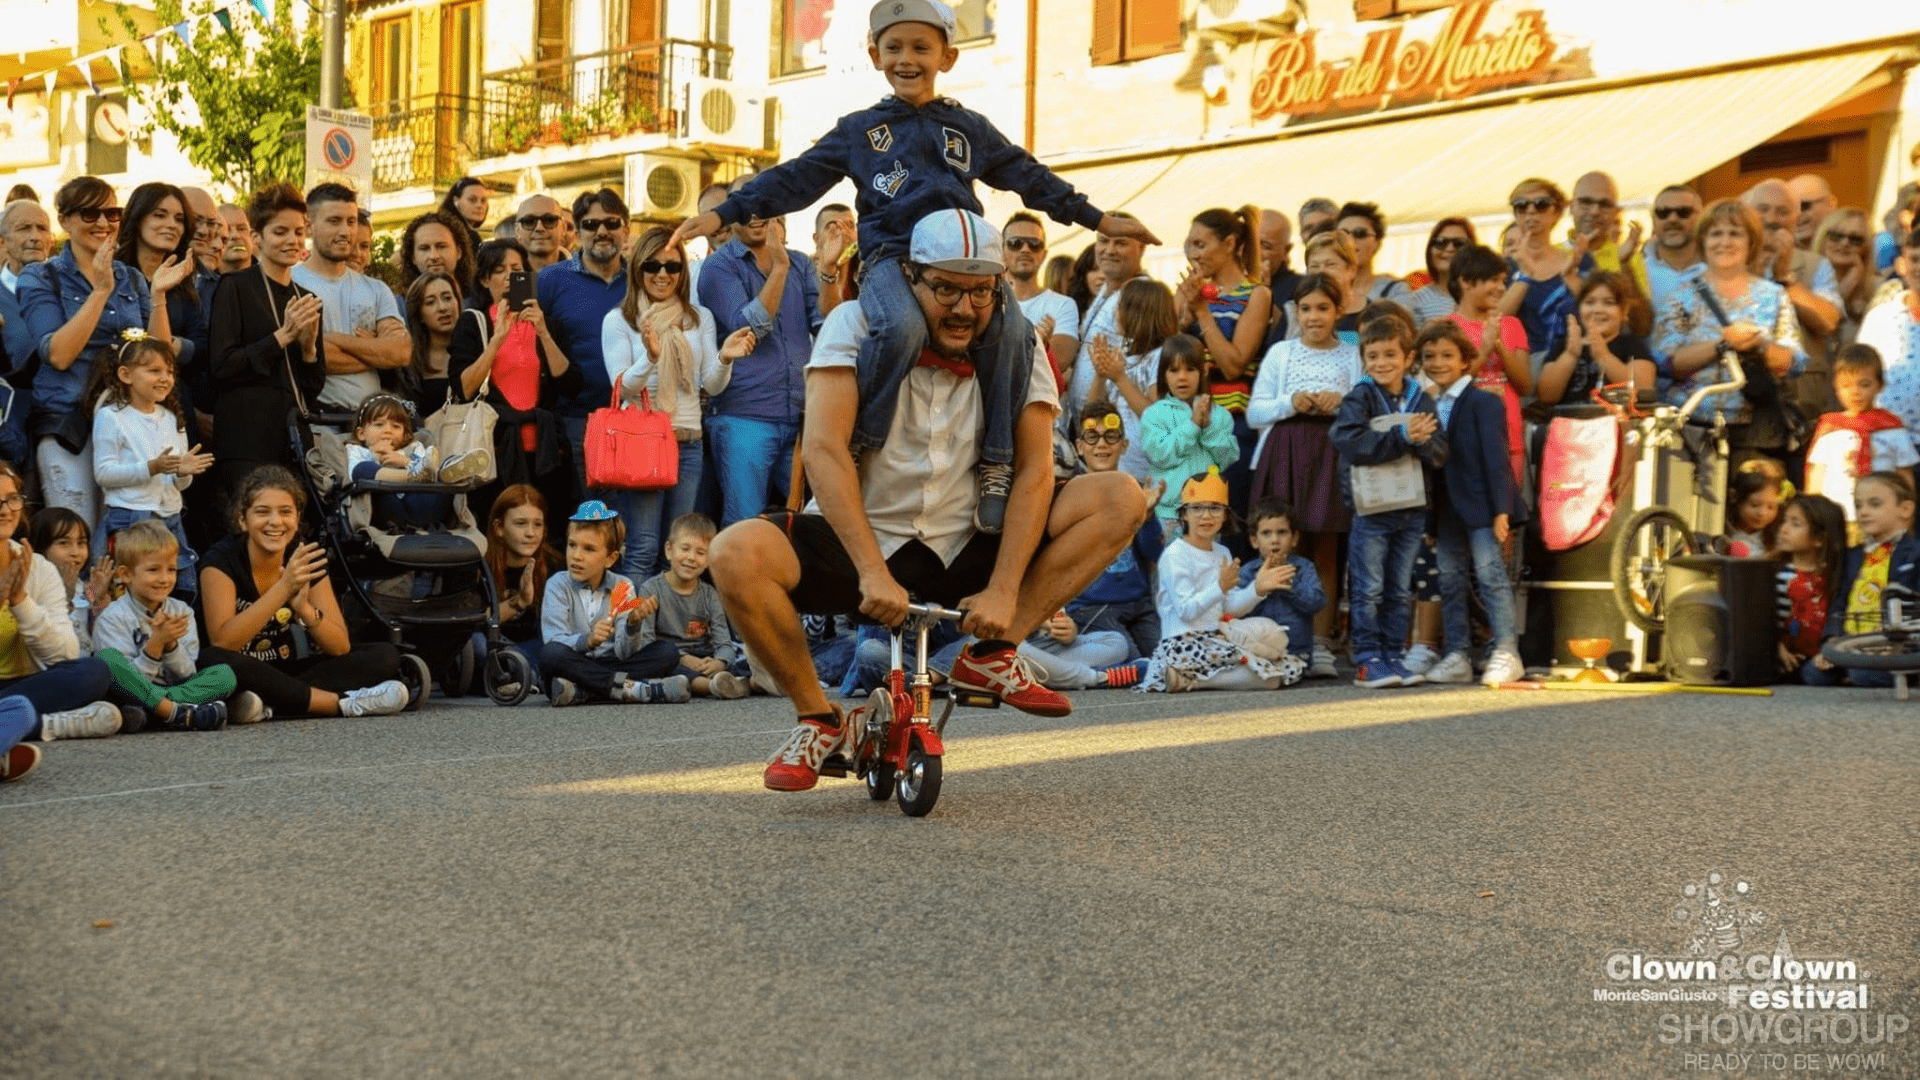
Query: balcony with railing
<point x="429" y="140"/>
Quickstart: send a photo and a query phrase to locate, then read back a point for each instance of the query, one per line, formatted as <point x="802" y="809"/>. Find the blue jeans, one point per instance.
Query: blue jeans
<point x="66" y="685"/>
<point x="1456" y="545"/>
<point x="1870" y="677"/>
<point x="1380" y="553"/>
<point x="1138" y="619"/>
<point x="18" y="717"/>
<point x="649" y="513"/>
<point x="115" y="518"/>
<point x="751" y="457"/>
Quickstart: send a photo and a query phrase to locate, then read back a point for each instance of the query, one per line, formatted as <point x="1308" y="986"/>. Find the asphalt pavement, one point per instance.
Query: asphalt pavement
<point x="1319" y="882"/>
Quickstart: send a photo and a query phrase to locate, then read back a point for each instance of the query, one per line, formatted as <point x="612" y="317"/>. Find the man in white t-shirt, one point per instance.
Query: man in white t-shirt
<point x="358" y="315"/>
<point x="1053" y="315"/>
<point x="1118" y="259"/>
<point x="898" y="522"/>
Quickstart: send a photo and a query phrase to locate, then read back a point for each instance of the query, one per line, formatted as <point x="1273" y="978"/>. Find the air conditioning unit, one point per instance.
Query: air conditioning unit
<point x="726" y="114"/>
<point x="1232" y="21"/>
<point x="662" y="186"/>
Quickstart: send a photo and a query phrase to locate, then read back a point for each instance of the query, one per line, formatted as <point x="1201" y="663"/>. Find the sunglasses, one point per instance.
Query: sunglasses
<point x="1665" y="212"/>
<point x="539" y="221"/>
<point x="608" y="224"/>
<point x="1539" y="205"/>
<point x="1113" y="437"/>
<point x="1359" y="234"/>
<point x="1856" y="239"/>
<point x="93" y="214"/>
<point x="654" y="266"/>
<point x="1449" y="243"/>
<point x="1024" y="243"/>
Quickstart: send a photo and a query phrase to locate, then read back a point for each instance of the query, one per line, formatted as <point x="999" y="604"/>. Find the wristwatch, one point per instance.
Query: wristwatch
<point x="826" y="277"/>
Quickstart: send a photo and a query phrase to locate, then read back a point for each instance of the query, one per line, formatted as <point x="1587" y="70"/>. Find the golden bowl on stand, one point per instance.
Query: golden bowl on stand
<point x="1592" y="650"/>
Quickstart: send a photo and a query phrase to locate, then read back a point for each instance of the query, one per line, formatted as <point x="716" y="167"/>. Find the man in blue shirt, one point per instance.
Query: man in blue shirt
<point x="755" y="282"/>
<point x="576" y="295"/>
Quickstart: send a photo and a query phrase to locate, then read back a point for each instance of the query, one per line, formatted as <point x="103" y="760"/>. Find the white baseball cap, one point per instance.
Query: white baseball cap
<point x="932" y="12"/>
<point x="957" y="240"/>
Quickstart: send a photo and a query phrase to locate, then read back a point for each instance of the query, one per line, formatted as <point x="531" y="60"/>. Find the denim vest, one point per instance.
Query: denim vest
<point x="1003" y="363"/>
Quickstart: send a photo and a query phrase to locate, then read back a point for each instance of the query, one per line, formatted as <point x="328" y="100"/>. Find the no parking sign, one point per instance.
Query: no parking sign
<point x="339" y="149"/>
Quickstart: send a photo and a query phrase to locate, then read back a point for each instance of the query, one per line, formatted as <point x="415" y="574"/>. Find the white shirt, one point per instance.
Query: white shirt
<point x="1102" y="321"/>
<point x="1290" y="368"/>
<point x="624" y="351"/>
<point x="921" y="485"/>
<point x="1839" y="452"/>
<point x="1066" y="316"/>
<point x="350" y="302"/>
<point x="124" y="441"/>
<point x="8" y="278"/>
<point x="1189" y="595"/>
<point x="1890" y="328"/>
<point x="1144" y="373"/>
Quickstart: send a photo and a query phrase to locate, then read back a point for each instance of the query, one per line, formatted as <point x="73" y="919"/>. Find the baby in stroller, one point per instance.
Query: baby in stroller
<point x="383" y="448"/>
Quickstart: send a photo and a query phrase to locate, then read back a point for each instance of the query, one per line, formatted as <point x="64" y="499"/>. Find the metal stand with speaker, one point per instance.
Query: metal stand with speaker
<point x="1720" y="620"/>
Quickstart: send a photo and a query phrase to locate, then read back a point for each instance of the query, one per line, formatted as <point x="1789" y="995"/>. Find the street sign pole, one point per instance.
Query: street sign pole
<point x="333" y="47"/>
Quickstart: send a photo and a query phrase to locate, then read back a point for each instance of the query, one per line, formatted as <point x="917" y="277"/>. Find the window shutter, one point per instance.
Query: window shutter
<point x="1152" y="28"/>
<point x="1106" y="31"/>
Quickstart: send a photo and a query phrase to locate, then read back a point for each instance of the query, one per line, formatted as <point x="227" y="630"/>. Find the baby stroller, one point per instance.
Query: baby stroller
<point x="427" y="591"/>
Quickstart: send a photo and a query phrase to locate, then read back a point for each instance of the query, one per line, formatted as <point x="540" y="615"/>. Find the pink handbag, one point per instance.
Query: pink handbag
<point x="1576" y="480"/>
<point x="631" y="449"/>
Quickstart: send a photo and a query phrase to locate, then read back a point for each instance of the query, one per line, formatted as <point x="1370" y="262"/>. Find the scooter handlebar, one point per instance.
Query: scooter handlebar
<point x="933" y="612"/>
<point x="1737" y="382"/>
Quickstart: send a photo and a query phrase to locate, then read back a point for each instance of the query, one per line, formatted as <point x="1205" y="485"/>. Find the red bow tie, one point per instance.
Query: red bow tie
<point x="929" y="358"/>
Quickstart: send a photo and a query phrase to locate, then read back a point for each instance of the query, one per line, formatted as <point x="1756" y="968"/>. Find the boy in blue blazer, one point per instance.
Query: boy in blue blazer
<point x="1473" y="516"/>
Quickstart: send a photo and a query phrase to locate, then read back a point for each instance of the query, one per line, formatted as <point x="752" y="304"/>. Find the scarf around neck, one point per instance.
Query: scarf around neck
<point x="675" y="363"/>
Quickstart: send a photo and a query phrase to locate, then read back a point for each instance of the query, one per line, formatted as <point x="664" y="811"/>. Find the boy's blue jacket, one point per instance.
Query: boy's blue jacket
<point x="907" y="163"/>
<point x="1358" y="444"/>
<point x="1478" y="475"/>
<point x="1904" y="569"/>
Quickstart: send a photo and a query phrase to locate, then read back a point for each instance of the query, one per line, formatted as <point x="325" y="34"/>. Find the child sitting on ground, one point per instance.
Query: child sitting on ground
<point x="1473" y="512"/>
<point x="689" y="617"/>
<point x="384" y="449"/>
<point x="1199" y="589"/>
<point x="1288" y="585"/>
<point x="149" y="641"/>
<point x="1121" y="598"/>
<point x="902" y="174"/>
<point x="1753" y="506"/>
<point x="1889" y="554"/>
<point x="1383" y="422"/>
<point x="1860" y="438"/>
<point x="591" y="651"/>
<point x="63" y="537"/>
<point x="1812" y="550"/>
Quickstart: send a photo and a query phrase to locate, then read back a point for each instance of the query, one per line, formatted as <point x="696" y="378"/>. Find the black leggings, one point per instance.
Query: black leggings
<point x="287" y="686"/>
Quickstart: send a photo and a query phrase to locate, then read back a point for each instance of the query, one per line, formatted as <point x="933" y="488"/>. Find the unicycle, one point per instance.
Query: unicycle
<point x="898" y="750"/>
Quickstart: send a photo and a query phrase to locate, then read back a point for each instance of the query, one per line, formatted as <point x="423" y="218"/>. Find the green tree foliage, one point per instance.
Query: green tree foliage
<point x="249" y="82"/>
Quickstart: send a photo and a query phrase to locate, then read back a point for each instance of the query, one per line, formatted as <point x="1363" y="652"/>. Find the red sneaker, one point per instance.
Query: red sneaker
<point x="18" y="761"/>
<point x="995" y="667"/>
<point x="796" y="765"/>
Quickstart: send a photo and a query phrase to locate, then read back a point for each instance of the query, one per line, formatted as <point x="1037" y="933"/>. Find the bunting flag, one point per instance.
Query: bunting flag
<point x="48" y="78"/>
<point x="13" y="87"/>
<point x="265" y="8"/>
<point x="184" y="28"/>
<point x="85" y="64"/>
<point x="226" y="20"/>
<point x="118" y="58"/>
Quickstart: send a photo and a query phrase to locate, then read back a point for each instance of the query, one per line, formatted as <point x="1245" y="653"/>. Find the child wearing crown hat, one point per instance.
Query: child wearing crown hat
<point x="597" y="630"/>
<point x="1199" y="590"/>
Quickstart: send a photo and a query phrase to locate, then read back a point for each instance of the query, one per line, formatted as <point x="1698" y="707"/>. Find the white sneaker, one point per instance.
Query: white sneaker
<point x="471" y="465"/>
<point x="95" y="721"/>
<point x="727" y="686"/>
<point x="246" y="707"/>
<point x="1504" y="667"/>
<point x="1453" y="669"/>
<point x="1322" y="666"/>
<point x="386" y="699"/>
<point x="1421" y="658"/>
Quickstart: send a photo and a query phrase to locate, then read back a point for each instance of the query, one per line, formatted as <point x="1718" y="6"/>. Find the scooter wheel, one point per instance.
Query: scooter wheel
<point x="1640" y="553"/>
<point x="918" y="785"/>
<point x="875" y="719"/>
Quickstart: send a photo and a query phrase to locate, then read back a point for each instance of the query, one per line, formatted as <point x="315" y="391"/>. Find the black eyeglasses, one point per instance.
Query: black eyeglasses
<point x="1359" y="234"/>
<point x="1856" y="239"/>
<point x="202" y="226"/>
<point x="1024" y="243"/>
<point x="654" y="266"/>
<point x="539" y="221"/>
<point x="609" y="224"/>
<point x="1665" y="212"/>
<point x="1113" y="437"/>
<point x="93" y="214"/>
<point x="1538" y="205"/>
<point x="947" y="294"/>
<point x="1449" y="243"/>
